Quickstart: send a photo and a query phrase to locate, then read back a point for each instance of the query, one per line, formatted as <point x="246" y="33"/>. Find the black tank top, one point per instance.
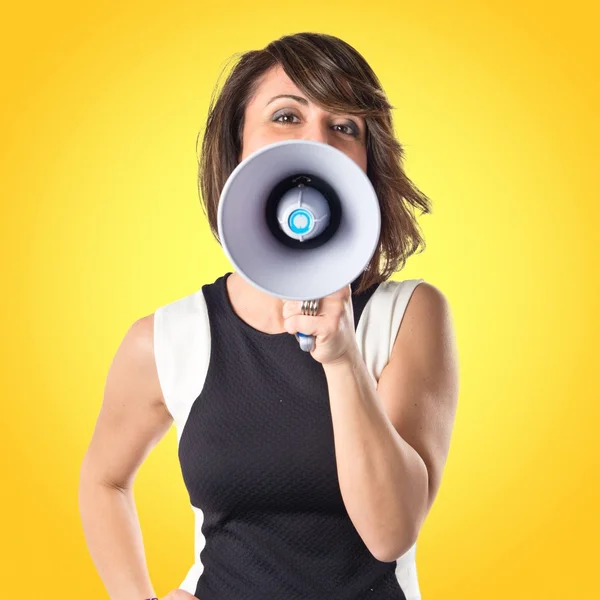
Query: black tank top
<point x="257" y="456"/>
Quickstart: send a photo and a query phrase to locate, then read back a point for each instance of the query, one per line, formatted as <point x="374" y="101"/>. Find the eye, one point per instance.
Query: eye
<point x="285" y="118"/>
<point x="347" y="129"/>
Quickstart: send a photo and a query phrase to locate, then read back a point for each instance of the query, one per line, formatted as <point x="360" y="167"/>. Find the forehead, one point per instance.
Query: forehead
<point x="274" y="81"/>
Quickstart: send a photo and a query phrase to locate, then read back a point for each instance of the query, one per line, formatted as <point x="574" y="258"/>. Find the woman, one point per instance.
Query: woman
<point x="310" y="475"/>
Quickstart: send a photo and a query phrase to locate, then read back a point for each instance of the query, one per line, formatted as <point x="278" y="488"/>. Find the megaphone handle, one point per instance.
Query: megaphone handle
<point x="307" y="342"/>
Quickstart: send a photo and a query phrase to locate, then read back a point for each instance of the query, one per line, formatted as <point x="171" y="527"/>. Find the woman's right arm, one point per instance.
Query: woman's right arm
<point x="132" y="419"/>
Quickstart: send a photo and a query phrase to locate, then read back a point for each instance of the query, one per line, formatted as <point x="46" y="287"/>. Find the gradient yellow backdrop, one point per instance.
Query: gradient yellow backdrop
<point x="498" y="110"/>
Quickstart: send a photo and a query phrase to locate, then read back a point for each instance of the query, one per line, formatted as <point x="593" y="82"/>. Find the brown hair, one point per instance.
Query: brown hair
<point x="335" y="76"/>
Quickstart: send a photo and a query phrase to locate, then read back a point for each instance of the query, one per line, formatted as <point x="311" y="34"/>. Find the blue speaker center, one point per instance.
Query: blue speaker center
<point x="300" y="221"/>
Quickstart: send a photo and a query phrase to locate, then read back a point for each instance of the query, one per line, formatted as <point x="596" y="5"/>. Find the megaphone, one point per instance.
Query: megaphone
<point x="299" y="220"/>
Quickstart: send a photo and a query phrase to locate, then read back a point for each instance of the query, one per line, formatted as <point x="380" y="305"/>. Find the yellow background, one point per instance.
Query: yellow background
<point x="498" y="110"/>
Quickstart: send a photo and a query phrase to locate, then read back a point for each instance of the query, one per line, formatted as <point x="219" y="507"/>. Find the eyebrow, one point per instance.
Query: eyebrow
<point x="296" y="98"/>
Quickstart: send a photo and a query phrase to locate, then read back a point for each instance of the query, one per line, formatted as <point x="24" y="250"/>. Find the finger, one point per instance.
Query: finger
<point x="303" y="324"/>
<point x="294" y="307"/>
<point x="316" y="326"/>
<point x="327" y="305"/>
<point x="291" y="307"/>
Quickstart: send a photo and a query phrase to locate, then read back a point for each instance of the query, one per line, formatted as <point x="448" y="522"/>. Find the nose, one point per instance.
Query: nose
<point x="317" y="131"/>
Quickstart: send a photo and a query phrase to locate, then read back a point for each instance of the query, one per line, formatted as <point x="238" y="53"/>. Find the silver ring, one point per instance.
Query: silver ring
<point x="310" y="307"/>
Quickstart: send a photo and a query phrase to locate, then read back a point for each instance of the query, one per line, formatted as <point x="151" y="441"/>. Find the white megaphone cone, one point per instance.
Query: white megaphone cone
<point x="299" y="220"/>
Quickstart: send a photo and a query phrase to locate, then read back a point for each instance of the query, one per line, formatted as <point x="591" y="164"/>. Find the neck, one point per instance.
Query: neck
<point x="264" y="310"/>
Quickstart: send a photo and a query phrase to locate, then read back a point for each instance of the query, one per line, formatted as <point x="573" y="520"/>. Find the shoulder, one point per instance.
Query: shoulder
<point x="417" y="299"/>
<point x="174" y="322"/>
<point x="135" y="359"/>
<point x="429" y="293"/>
<point x="152" y="343"/>
<point x="181" y="350"/>
<point x="388" y="304"/>
<point x="139" y="340"/>
<point x="426" y="302"/>
<point x="383" y="316"/>
<point x="427" y="325"/>
<point x="413" y="316"/>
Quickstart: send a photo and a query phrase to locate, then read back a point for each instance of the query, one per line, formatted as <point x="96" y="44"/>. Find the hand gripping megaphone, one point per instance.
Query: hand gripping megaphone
<point x="299" y="220"/>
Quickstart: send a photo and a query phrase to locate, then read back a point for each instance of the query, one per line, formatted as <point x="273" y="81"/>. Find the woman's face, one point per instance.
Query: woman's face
<point x="280" y="111"/>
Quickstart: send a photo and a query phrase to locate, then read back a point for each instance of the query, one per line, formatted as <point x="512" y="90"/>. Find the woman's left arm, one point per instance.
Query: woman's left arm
<point x="392" y="440"/>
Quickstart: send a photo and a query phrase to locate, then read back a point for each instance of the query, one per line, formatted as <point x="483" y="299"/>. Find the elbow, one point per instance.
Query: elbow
<point x="394" y="548"/>
<point x="92" y="478"/>
<point x="393" y="544"/>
